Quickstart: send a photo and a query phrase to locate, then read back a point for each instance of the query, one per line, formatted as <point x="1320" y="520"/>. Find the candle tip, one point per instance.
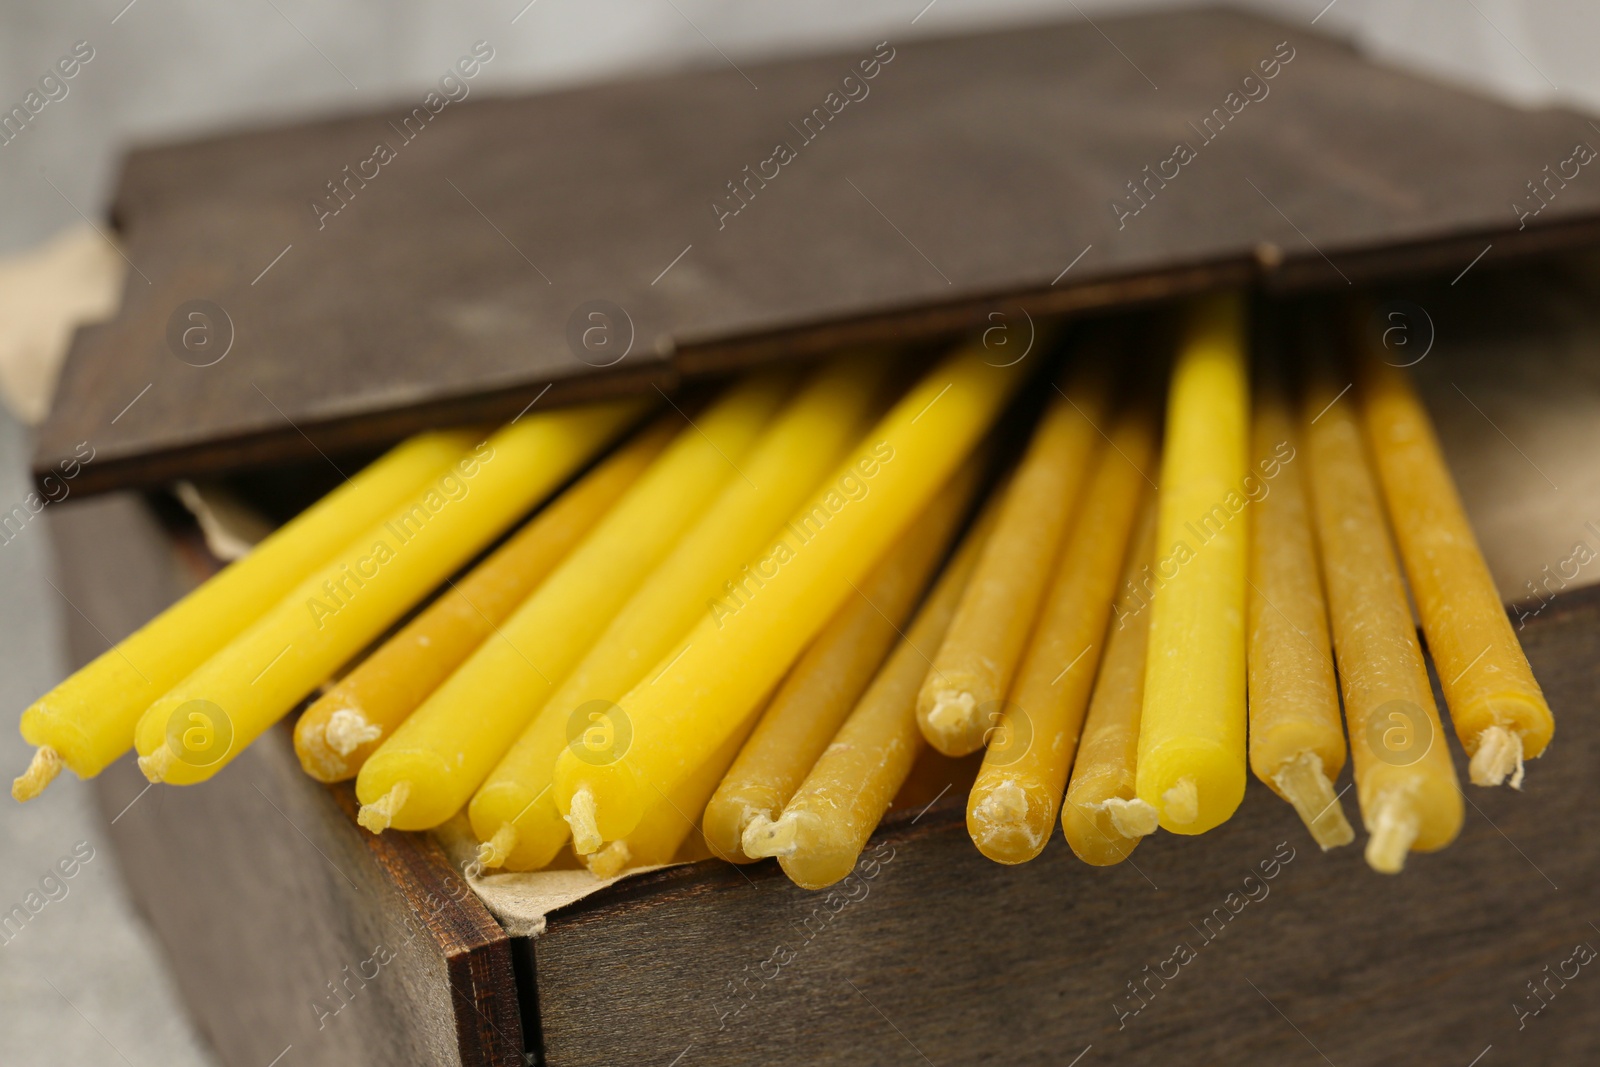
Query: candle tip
<point x="1393" y="828"/>
<point x="1181" y="803"/>
<point x="495" y="851"/>
<point x="347" y="729"/>
<point x="581" y="818"/>
<point x="771" y="837"/>
<point x="1132" y="819"/>
<point x="952" y="721"/>
<point x="1303" y="783"/>
<point x="999" y="825"/>
<point x="156" y="763"/>
<point x="379" y="815"/>
<point x="1499" y="754"/>
<point x="610" y="860"/>
<point x="42" y="770"/>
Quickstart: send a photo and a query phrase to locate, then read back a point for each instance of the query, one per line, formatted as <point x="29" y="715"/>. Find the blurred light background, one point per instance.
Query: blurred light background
<point x="83" y="982"/>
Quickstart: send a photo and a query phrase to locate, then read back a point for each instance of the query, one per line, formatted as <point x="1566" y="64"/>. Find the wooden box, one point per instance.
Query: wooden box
<point x="990" y="171"/>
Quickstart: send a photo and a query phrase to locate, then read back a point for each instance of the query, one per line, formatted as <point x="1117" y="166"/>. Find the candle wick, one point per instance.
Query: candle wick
<point x="1133" y="818"/>
<point x="380" y="814"/>
<point x="1393" y="827"/>
<point x="1499" y="754"/>
<point x="347" y="729"/>
<point x="156" y="763"/>
<point x="495" y="851"/>
<point x="42" y="770"/>
<point x="771" y="837"/>
<point x="1181" y="803"/>
<point x="953" y="718"/>
<point x="1303" y="783"/>
<point x="609" y="861"/>
<point x="585" y="827"/>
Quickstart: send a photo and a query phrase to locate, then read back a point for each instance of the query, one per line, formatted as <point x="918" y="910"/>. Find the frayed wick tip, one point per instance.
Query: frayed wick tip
<point x="495" y="851"/>
<point x="1132" y="818"/>
<point x="609" y="861"/>
<point x="42" y="770"/>
<point x="585" y="826"/>
<point x="156" y="764"/>
<point x="1499" y="755"/>
<point x="380" y="814"/>
<point x="770" y="837"/>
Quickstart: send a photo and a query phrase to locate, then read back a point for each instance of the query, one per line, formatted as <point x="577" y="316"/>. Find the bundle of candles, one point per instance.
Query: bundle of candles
<point x="749" y="621"/>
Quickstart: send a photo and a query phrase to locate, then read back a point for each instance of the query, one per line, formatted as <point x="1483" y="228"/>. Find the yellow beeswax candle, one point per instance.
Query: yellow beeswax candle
<point x="669" y="821"/>
<point x="336" y="734"/>
<point x="1499" y="711"/>
<point x="959" y="702"/>
<point x="1102" y="818"/>
<point x="1014" y="801"/>
<point x="429" y="767"/>
<point x="738" y="653"/>
<point x="825" y="683"/>
<point x="205" y="720"/>
<point x="88" y="720"/>
<point x="1296" y="736"/>
<point x="1192" y="730"/>
<point x="1405" y="781"/>
<point x="513" y="812"/>
<point x="830" y="817"/>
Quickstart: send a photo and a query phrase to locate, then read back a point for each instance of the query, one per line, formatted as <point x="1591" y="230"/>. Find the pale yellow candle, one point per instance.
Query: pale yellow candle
<point x="672" y="818"/>
<point x="513" y="812"/>
<point x="830" y="677"/>
<point x="341" y="728"/>
<point x="827" y="822"/>
<point x="1498" y="709"/>
<point x="1406" y="783"/>
<point x="88" y="720"/>
<point x="1297" y="742"/>
<point x="428" y="769"/>
<point x="960" y="699"/>
<point x="1102" y="818"/>
<point x="750" y="639"/>
<point x="1192" y="730"/>
<point x="1012" y="808"/>
<point x="207" y="719"/>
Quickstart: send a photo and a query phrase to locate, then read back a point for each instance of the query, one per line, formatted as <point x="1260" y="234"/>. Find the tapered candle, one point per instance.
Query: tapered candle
<point x="428" y="768"/>
<point x="672" y="818"/>
<point x="1192" y="730"/>
<point x="1297" y="742"/>
<point x="336" y="734"/>
<point x="732" y="658"/>
<point x="88" y="720"/>
<point x="1498" y="709"/>
<point x="830" y="677"/>
<point x="1012" y="808"/>
<point x="827" y="822"/>
<point x="959" y="702"/>
<point x="207" y="719"/>
<point x="1405" y="781"/>
<point x="513" y="812"/>
<point x="1102" y="817"/>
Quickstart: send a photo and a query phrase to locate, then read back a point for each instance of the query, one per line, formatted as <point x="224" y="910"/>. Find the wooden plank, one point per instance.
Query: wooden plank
<point x="934" y="954"/>
<point x="285" y="924"/>
<point x="967" y="178"/>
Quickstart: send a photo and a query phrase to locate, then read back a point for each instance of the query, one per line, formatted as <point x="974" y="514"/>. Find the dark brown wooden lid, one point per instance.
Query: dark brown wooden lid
<point x="964" y="176"/>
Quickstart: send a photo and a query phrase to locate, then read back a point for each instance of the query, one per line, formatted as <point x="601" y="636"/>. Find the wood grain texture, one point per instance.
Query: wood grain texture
<point x="259" y="883"/>
<point x="974" y="172"/>
<point x="944" y="957"/>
